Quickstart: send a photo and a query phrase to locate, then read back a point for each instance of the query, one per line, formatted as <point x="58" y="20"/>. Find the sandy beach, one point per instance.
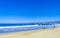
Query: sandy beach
<point x="44" y="33"/>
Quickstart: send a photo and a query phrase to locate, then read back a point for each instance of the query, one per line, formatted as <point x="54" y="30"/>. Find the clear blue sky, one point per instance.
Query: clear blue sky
<point x="16" y="10"/>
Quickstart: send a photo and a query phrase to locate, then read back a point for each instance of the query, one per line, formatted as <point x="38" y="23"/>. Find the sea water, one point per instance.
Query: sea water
<point x="19" y="28"/>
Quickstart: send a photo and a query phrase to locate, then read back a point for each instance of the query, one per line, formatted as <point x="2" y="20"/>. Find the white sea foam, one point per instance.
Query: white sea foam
<point x="18" y="26"/>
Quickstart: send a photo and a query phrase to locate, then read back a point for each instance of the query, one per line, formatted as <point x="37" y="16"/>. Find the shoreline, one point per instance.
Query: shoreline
<point x="44" y="33"/>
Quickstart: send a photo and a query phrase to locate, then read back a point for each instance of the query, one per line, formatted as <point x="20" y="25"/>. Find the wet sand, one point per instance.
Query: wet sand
<point x="44" y="33"/>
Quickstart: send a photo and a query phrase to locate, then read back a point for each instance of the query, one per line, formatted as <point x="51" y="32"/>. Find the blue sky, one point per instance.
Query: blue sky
<point x="18" y="11"/>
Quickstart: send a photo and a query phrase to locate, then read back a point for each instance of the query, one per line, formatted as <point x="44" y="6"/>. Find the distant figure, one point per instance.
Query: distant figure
<point x="45" y="27"/>
<point x="54" y="26"/>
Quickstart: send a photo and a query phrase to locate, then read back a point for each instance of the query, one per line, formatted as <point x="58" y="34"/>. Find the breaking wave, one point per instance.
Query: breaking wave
<point x="6" y="29"/>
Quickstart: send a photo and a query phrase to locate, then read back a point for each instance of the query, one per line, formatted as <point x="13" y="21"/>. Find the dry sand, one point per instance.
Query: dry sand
<point x="45" y="33"/>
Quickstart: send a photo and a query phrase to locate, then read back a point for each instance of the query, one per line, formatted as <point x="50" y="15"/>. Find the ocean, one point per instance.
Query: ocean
<point x="6" y="28"/>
